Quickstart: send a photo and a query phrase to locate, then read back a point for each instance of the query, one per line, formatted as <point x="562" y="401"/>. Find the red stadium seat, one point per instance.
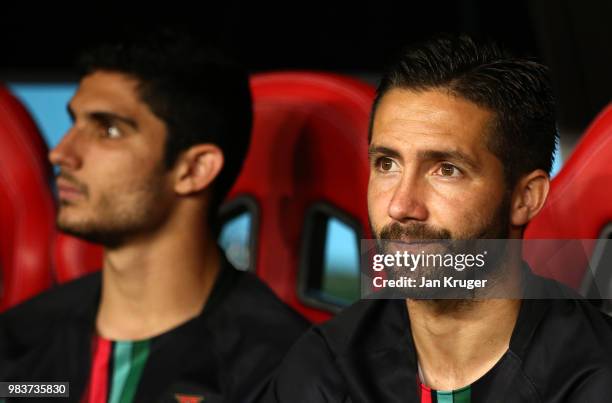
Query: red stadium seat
<point x="309" y="149"/>
<point x="26" y="205"/>
<point x="579" y="206"/>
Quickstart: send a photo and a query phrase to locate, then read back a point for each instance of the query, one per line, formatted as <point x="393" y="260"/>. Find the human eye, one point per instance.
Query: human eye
<point x="112" y="131"/>
<point x="109" y="130"/>
<point x="448" y="170"/>
<point x="107" y="127"/>
<point x="386" y="164"/>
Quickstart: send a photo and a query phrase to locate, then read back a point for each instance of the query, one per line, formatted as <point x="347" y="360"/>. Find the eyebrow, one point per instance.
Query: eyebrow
<point x="380" y="150"/>
<point x="106" y="117"/>
<point x="451" y="155"/>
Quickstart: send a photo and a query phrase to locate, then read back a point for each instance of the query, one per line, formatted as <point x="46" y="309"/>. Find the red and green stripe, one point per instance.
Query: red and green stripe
<point x="428" y="395"/>
<point x="116" y="370"/>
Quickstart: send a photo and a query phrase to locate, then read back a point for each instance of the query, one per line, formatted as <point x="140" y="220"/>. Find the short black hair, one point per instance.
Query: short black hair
<point x="517" y="90"/>
<point x="202" y="95"/>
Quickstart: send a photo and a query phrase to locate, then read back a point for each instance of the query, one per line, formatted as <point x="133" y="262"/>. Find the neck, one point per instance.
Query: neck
<point x="157" y="282"/>
<point x="459" y="341"/>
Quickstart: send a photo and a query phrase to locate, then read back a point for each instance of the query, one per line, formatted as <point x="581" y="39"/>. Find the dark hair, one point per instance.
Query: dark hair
<point x="201" y="95"/>
<point x="517" y="90"/>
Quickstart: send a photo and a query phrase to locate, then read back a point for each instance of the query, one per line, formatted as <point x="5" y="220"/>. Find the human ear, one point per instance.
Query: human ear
<point x="197" y="168"/>
<point x="529" y="196"/>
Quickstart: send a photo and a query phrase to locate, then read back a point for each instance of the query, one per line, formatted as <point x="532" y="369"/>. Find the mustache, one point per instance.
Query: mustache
<point x="73" y="181"/>
<point x="413" y="230"/>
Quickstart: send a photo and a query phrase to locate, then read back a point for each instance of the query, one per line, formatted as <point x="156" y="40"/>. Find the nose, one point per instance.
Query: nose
<point x="407" y="202"/>
<point x="66" y="154"/>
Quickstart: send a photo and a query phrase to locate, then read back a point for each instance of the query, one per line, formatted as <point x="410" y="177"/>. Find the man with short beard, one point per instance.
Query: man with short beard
<point x="461" y="146"/>
<point x="161" y="126"/>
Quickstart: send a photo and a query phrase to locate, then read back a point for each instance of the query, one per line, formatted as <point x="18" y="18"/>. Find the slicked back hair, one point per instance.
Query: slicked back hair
<point x="523" y="133"/>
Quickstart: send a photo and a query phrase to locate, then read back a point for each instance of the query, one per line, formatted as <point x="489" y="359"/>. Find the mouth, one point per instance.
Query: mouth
<point x="415" y="246"/>
<point x="67" y="191"/>
<point x="409" y="241"/>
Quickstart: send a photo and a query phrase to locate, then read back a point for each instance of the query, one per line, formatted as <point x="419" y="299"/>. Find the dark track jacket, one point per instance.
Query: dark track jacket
<point x="560" y="351"/>
<point x="226" y="354"/>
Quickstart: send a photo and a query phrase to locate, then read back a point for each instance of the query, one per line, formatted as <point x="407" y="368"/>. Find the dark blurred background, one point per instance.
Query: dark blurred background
<point x="573" y="37"/>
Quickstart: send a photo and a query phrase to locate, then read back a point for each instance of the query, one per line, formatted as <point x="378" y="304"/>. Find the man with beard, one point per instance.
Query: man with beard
<point x="461" y="145"/>
<point x="161" y="126"/>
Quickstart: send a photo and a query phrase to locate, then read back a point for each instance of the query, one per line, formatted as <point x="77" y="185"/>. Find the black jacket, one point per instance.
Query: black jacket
<point x="560" y="351"/>
<point x="227" y="353"/>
